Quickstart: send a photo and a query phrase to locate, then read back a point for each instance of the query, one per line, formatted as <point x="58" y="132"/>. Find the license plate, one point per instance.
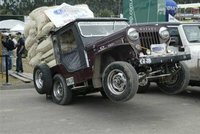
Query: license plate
<point x="158" y="49"/>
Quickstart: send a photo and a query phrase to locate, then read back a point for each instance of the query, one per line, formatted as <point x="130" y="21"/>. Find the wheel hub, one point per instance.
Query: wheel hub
<point x="38" y="79"/>
<point x="58" y="91"/>
<point x="171" y="79"/>
<point x="144" y="82"/>
<point x="117" y="82"/>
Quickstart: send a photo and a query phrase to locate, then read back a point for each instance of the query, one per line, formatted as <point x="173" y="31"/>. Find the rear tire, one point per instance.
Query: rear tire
<point x="120" y="81"/>
<point x="61" y="93"/>
<point x="178" y="82"/>
<point x="42" y="79"/>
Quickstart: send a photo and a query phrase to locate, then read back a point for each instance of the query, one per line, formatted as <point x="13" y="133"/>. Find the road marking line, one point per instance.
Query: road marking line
<point x="6" y="110"/>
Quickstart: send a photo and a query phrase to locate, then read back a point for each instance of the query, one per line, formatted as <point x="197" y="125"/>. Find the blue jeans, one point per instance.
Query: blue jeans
<point x="19" y="66"/>
<point x="9" y="60"/>
<point x="9" y="63"/>
<point x="10" y="55"/>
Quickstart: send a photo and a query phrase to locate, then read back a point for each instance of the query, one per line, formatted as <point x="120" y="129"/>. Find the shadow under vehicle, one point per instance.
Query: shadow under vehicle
<point x="111" y="57"/>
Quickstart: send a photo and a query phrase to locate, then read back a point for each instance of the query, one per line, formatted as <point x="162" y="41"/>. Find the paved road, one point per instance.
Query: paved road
<point x="23" y="111"/>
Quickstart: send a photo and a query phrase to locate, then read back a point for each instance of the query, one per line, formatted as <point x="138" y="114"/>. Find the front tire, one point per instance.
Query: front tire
<point x="120" y="81"/>
<point x="61" y="93"/>
<point x="176" y="83"/>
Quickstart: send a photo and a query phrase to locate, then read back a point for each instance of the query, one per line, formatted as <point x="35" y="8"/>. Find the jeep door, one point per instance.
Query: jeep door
<point x="72" y="53"/>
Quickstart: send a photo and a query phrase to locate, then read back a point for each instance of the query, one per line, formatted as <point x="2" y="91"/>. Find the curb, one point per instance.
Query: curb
<point x="11" y="86"/>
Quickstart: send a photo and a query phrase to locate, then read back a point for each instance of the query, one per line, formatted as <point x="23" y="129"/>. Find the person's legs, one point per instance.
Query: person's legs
<point x="10" y="56"/>
<point x="4" y="64"/>
<point x="20" y="64"/>
<point x="17" y="64"/>
<point x="14" y="58"/>
<point x="9" y="63"/>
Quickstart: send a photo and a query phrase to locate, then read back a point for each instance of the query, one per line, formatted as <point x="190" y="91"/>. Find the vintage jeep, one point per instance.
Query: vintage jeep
<point x="109" y="56"/>
<point x="161" y="61"/>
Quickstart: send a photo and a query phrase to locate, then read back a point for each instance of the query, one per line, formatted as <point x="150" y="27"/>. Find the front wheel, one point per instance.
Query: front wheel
<point x="61" y="93"/>
<point x="120" y="81"/>
<point x="176" y="83"/>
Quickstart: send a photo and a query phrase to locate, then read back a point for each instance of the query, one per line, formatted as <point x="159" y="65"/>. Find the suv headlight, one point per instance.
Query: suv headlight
<point x="133" y="34"/>
<point x="164" y="34"/>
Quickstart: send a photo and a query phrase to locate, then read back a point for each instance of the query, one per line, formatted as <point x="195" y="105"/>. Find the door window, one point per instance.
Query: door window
<point x="192" y="33"/>
<point x="71" y="53"/>
<point x="67" y="42"/>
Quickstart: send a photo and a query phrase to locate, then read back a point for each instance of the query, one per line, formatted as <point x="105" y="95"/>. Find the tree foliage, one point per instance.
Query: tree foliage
<point x="24" y="7"/>
<point x="99" y="7"/>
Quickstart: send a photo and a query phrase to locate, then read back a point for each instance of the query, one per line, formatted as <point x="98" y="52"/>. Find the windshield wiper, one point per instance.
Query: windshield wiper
<point x="193" y="41"/>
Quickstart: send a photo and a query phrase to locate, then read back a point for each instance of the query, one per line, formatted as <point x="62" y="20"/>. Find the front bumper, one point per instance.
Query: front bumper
<point x="149" y="60"/>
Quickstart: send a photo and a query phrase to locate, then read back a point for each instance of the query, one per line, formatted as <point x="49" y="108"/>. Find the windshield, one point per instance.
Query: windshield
<point x="192" y="33"/>
<point x="101" y="28"/>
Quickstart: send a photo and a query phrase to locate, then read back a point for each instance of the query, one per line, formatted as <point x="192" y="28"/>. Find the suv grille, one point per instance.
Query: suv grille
<point x="148" y="38"/>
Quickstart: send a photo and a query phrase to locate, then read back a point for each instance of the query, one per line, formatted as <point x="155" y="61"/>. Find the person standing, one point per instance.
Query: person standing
<point x="9" y="45"/>
<point x="20" y="49"/>
<point x="4" y="50"/>
<point x="14" y="51"/>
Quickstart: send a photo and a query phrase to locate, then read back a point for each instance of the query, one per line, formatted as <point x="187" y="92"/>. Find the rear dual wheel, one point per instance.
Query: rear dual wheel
<point x="42" y="79"/>
<point x="61" y="93"/>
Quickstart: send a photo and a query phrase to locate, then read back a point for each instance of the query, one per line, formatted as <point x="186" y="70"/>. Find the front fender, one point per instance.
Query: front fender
<point x="108" y="47"/>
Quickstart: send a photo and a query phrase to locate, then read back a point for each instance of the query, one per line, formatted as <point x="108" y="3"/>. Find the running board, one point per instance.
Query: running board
<point x="85" y="85"/>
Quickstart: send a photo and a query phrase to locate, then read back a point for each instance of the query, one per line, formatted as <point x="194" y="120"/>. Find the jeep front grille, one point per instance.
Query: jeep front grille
<point x="148" y="38"/>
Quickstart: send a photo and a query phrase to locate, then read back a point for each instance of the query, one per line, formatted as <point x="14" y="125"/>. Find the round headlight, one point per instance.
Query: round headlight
<point x="164" y="34"/>
<point x="133" y="34"/>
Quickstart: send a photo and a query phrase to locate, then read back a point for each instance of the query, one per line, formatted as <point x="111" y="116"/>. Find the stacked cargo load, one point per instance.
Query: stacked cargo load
<point x="42" y="20"/>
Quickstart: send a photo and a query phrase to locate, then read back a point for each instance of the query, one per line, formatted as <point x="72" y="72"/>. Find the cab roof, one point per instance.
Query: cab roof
<point x="91" y="20"/>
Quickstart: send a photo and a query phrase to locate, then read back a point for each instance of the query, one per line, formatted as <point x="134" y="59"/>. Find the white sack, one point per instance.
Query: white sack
<point x="32" y="51"/>
<point x="29" y="42"/>
<point x="45" y="30"/>
<point x="45" y="45"/>
<point x="40" y="17"/>
<point x="35" y="60"/>
<point x="29" y="25"/>
<point x="51" y="63"/>
<point x="50" y="58"/>
<point x="33" y="32"/>
<point x="47" y="54"/>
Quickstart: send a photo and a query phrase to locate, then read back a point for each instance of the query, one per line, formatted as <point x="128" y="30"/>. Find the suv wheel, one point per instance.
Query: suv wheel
<point x="120" y="81"/>
<point x="42" y="79"/>
<point x="61" y="93"/>
<point x="177" y="82"/>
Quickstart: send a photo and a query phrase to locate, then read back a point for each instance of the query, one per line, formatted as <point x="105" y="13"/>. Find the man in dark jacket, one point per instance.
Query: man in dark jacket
<point x="20" y="49"/>
<point x="9" y="45"/>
